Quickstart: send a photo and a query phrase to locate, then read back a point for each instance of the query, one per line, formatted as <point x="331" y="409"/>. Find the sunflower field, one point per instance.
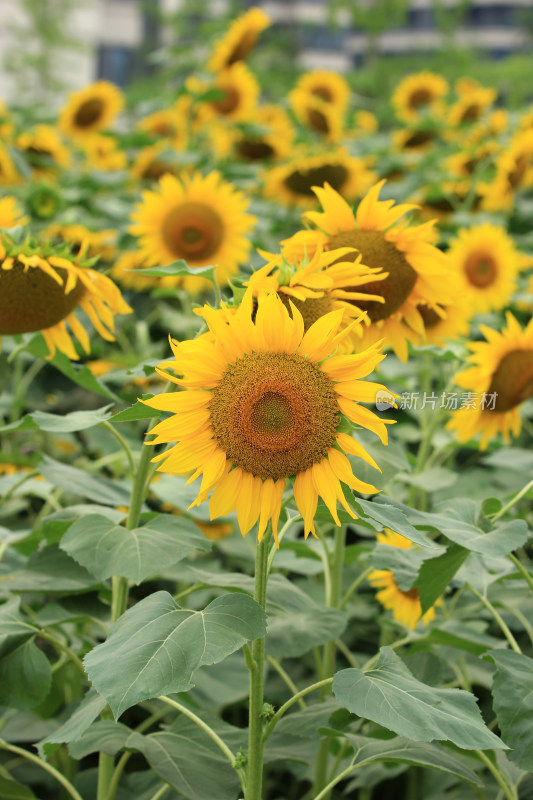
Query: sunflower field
<point x="266" y="464"/>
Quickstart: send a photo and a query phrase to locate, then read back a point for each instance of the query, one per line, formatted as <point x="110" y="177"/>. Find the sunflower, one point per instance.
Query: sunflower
<point x="270" y="138"/>
<point x="44" y="149"/>
<point x="500" y="380"/>
<point x="470" y="160"/>
<point x="514" y="171"/>
<point x="8" y="171"/>
<point x="166" y="122"/>
<point x="103" y="153"/>
<point x="317" y="114"/>
<point x="487" y="264"/>
<point x="6" y="126"/>
<point x="91" y="109"/>
<point x="263" y="402"/>
<point x="317" y="285"/>
<point x="404" y="604"/>
<point x="419" y="139"/>
<point x="365" y="122"/>
<point x="239" y="40"/>
<point x="154" y="161"/>
<point x="201" y="220"/>
<point x="292" y="183"/>
<point x="419" y="94"/>
<point x="40" y="291"/>
<point x="445" y="322"/>
<point x="43" y="200"/>
<point x="330" y="87"/>
<point x="239" y="92"/>
<point x="470" y="107"/>
<point x="78" y="237"/>
<point x="10" y="213"/>
<point x="417" y="272"/>
<point x="125" y="271"/>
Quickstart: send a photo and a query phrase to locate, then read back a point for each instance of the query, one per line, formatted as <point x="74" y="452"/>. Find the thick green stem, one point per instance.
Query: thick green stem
<point x="497" y="618"/>
<point x="256" y="666"/>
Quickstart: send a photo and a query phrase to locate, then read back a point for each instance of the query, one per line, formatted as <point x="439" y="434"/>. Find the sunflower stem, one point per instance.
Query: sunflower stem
<point x="66" y="784"/>
<point x="256" y="666"/>
<point x="119" y="602"/>
<point x="497" y="618"/>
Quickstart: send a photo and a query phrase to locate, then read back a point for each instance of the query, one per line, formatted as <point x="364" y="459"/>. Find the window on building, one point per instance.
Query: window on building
<point x="116" y="64"/>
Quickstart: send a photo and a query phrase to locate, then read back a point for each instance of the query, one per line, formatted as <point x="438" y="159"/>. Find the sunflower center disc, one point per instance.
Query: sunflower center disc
<point x="481" y="270"/>
<point x="376" y="251"/>
<point x="317" y="120"/>
<point x="89" y="113"/>
<point x="311" y="309"/>
<point x="517" y="174"/>
<point x="429" y="315"/>
<point x="512" y="381"/>
<point x="301" y="181"/>
<point x="30" y="300"/>
<point x="471" y="113"/>
<point x="274" y="414"/>
<point x="420" y="97"/>
<point x="193" y="231"/>
<point x="229" y="102"/>
<point x="323" y="92"/>
<point x="242" y="48"/>
<point x="254" y="149"/>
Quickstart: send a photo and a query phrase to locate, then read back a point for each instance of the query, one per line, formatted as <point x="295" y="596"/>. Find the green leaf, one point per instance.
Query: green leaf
<point x="464" y="636"/>
<point x="103" y="736"/>
<point x="391" y="696"/>
<point x="403" y="751"/>
<point x="512" y="691"/>
<point x="295" y="622"/>
<point x="25" y="675"/>
<point x="106" y="549"/>
<point x="59" y="423"/>
<point x="391" y="517"/>
<point x="47" y="570"/>
<point x="156" y="646"/>
<point x="90" y="707"/>
<point x="12" y="623"/>
<point x="78" y="373"/>
<point x="76" y="481"/>
<point x="9" y="790"/>
<point x="137" y="411"/>
<point x="431" y="480"/>
<point x="187" y="759"/>
<point x="176" y="268"/>
<point x="436" y="573"/>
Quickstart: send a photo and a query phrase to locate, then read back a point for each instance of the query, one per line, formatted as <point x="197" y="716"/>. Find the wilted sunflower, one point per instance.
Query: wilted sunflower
<point x="417" y="272"/>
<point x="292" y="183"/>
<point x="317" y="115"/>
<point x="419" y="94"/>
<point x="326" y="85"/>
<point x="40" y="291"/>
<point x="317" y="285"/>
<point x="10" y="213"/>
<point x="499" y="382"/>
<point x="239" y="40"/>
<point x="44" y="149"/>
<point x="201" y="220"/>
<point x="263" y="402"/>
<point x="91" y="109"/>
<point x="404" y="604"/>
<point x="487" y="263"/>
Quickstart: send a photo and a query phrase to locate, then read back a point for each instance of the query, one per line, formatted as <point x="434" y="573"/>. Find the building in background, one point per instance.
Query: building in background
<point x="111" y="38"/>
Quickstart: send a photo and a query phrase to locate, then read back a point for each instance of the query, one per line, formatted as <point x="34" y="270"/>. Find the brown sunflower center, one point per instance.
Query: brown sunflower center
<point x="430" y="316"/>
<point x="376" y="251"/>
<point x="193" y="231"/>
<point x="481" y="269"/>
<point x="156" y="169"/>
<point x="274" y="414"/>
<point x="301" y="181"/>
<point x="30" y="300"/>
<point x="323" y="92"/>
<point x="229" y="102"/>
<point x="512" y="381"/>
<point x="419" y="139"/>
<point x="311" y="309"/>
<point x="246" y="43"/>
<point x="317" y="120"/>
<point x="420" y="97"/>
<point x="254" y="149"/>
<point x="471" y="113"/>
<point x="518" y="173"/>
<point x="89" y="112"/>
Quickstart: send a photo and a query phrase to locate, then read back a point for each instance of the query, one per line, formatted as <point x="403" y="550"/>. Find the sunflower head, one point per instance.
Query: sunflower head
<point x="10" y="213"/>
<point x="499" y="380"/>
<point x="418" y="95"/>
<point x="316" y="114"/>
<point x="91" y="109"/>
<point x="44" y="149"/>
<point x="43" y="201"/>
<point x="41" y="287"/>
<point x="327" y="86"/>
<point x="103" y="153"/>
<point x="238" y="93"/>
<point x="263" y="403"/>
<point x="239" y="40"/>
